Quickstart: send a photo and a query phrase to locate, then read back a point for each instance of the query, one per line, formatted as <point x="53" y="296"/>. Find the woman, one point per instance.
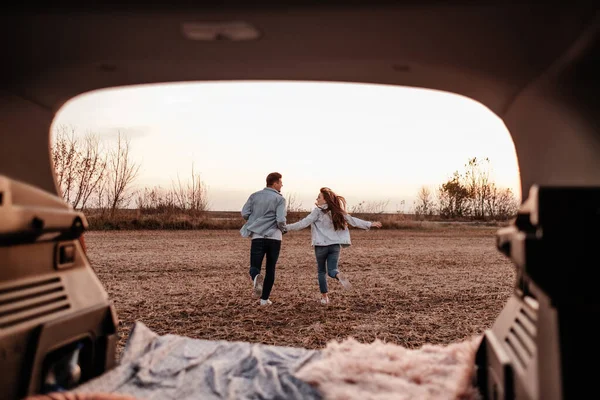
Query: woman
<point x="329" y="230"/>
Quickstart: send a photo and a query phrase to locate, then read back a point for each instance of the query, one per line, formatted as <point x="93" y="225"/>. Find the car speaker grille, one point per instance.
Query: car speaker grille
<point x="26" y="302"/>
<point x="520" y="339"/>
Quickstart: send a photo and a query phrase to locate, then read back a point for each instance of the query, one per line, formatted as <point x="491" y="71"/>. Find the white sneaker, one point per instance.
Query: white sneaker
<point x="343" y="280"/>
<point x="266" y="302"/>
<point x="324" y="301"/>
<point x="258" y="286"/>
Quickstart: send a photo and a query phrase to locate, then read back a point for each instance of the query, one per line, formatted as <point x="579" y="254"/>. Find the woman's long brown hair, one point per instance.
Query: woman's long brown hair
<point x="337" y="205"/>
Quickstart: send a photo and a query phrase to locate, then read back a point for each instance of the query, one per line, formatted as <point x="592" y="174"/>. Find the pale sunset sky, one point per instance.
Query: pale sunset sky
<point x="372" y="143"/>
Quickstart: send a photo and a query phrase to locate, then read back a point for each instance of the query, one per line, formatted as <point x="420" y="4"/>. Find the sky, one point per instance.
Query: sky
<point x="371" y="143"/>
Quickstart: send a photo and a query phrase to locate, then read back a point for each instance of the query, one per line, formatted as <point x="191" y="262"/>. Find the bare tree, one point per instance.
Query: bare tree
<point x="400" y="207"/>
<point x="293" y="204"/>
<point x="192" y="195"/>
<point x="156" y="200"/>
<point x="64" y="152"/>
<point x="358" y="208"/>
<point x="453" y="197"/>
<point x="475" y="194"/>
<point x="502" y="204"/>
<point x="122" y="171"/>
<point x="424" y="206"/>
<point x="478" y="184"/>
<point x="79" y="165"/>
<point x="92" y="167"/>
<point x="370" y="207"/>
<point x="198" y="193"/>
<point x="100" y="193"/>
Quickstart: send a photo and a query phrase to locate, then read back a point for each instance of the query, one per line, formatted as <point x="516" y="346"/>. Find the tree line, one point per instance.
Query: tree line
<point x="93" y="174"/>
<point x="471" y="194"/>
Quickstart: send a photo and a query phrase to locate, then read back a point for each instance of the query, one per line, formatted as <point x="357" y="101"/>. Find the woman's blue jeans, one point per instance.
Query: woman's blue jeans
<point x="327" y="263"/>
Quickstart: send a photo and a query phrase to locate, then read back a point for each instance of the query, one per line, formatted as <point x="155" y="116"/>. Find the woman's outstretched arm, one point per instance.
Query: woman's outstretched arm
<point x="306" y="221"/>
<point x="361" y="223"/>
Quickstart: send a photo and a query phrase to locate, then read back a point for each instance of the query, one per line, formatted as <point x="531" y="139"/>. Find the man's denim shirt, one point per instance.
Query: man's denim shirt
<point x="265" y="212"/>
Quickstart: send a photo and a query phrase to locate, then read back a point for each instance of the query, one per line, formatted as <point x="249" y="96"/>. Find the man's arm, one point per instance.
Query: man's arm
<point x="281" y="213"/>
<point x="247" y="209"/>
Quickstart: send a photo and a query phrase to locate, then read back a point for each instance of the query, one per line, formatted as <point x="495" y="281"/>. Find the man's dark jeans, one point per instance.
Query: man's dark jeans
<point x="258" y="250"/>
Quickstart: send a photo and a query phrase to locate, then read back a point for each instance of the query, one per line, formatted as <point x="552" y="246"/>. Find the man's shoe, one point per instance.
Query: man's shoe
<point x="324" y="301"/>
<point x="343" y="280"/>
<point x="265" y="302"/>
<point x="258" y="285"/>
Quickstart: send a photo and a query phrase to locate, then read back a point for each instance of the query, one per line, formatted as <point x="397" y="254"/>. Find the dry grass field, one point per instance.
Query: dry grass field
<point x="410" y="287"/>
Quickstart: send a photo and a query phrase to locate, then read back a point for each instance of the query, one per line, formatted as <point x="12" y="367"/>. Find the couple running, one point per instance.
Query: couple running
<point x="265" y="212"/>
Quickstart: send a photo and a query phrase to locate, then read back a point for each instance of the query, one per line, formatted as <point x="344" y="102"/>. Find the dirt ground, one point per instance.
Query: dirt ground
<point x="410" y="287"/>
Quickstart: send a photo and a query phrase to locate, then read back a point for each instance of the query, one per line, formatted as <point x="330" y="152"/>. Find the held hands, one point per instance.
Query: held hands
<point x="376" y="224"/>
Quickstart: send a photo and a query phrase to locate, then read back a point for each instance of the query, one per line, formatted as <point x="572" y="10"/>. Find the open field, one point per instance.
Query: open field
<point x="409" y="286"/>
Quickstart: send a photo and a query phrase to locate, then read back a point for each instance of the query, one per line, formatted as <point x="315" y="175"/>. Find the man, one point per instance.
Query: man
<point x="265" y="213"/>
